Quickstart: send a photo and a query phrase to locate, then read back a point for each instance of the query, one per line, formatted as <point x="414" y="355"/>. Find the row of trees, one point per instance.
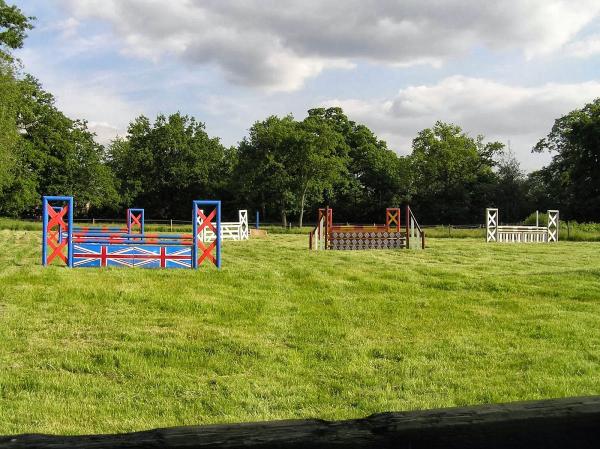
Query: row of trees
<point x="286" y="168"/>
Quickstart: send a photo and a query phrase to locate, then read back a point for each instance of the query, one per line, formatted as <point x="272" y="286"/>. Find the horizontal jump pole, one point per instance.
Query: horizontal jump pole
<point x="133" y="242"/>
<point x="356" y="225"/>
<point x="522" y="228"/>
<point x="554" y="423"/>
<point x="112" y="230"/>
<point x="100" y="227"/>
<point x="136" y="236"/>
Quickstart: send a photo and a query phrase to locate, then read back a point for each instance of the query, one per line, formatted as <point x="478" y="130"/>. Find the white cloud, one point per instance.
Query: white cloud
<point x="278" y="45"/>
<point x="584" y="48"/>
<point x="106" y="112"/>
<point x="499" y="111"/>
<point x="67" y="27"/>
<point x="95" y="99"/>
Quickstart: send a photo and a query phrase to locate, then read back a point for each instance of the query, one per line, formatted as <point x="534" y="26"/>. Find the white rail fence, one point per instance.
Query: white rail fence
<point x="520" y="234"/>
<point x="230" y="230"/>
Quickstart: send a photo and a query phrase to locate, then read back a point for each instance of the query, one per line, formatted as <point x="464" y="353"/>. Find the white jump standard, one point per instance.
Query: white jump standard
<point x="231" y="230"/>
<point x="520" y="234"/>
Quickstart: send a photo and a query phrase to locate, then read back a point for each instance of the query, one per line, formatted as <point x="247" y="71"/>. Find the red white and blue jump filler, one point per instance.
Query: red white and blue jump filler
<point x="129" y="246"/>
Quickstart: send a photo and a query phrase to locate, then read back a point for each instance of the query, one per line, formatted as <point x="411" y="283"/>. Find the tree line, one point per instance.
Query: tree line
<point x="285" y="168"/>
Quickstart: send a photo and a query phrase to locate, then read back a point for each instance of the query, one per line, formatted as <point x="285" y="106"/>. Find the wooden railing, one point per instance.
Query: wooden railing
<point x="556" y="423"/>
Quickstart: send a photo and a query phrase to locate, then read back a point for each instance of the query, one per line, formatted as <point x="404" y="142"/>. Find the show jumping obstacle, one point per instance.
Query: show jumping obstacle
<point x="129" y="246"/>
<point x="520" y="234"/>
<point x="391" y="235"/>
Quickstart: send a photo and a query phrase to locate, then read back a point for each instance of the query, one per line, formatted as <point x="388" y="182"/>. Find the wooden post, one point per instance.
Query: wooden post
<point x="549" y="424"/>
<point x="327" y="230"/>
<point x="171" y="225"/>
<point x="407" y="226"/>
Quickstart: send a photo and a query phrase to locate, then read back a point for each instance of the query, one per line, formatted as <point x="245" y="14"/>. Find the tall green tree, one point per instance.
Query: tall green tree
<point x="9" y="136"/>
<point x="375" y="177"/>
<point x="263" y="174"/>
<point x="511" y="190"/>
<point x="573" y="176"/>
<point x="318" y="161"/>
<point x="452" y="174"/>
<point x="13" y="29"/>
<point x="55" y="156"/>
<point x="286" y="165"/>
<point x="41" y="150"/>
<point x="164" y="165"/>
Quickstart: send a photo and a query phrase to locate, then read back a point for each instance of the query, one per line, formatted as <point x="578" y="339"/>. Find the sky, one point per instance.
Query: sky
<point x="505" y="69"/>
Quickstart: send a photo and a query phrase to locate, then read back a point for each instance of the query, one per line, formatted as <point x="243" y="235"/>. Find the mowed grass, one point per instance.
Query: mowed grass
<point x="281" y="332"/>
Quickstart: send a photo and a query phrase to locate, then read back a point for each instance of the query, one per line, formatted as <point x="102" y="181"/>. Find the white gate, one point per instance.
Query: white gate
<point x="520" y="234"/>
<point x="231" y="230"/>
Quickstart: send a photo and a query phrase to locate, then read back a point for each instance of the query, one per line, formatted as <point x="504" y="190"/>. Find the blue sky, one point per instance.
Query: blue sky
<point x="504" y="69"/>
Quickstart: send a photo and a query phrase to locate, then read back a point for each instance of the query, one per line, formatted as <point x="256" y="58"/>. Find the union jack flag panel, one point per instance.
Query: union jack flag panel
<point x="96" y="255"/>
<point x="164" y="256"/>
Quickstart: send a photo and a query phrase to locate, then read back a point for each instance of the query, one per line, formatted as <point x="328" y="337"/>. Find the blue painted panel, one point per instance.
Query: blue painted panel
<point x="178" y="257"/>
<point x="148" y="256"/>
<point x="120" y="255"/>
<point x="86" y="255"/>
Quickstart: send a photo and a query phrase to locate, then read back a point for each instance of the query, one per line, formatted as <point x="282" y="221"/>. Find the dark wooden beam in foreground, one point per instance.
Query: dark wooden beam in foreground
<point x="555" y="423"/>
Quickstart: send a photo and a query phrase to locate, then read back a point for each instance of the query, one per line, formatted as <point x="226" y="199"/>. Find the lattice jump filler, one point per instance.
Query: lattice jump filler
<point x="520" y="234"/>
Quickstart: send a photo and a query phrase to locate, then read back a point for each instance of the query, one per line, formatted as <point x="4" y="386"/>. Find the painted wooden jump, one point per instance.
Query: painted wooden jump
<point x="521" y="234"/>
<point x="129" y="246"/>
<point x="391" y="235"/>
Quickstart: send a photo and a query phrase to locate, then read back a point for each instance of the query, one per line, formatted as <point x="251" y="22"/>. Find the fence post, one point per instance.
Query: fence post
<point x="568" y="231"/>
<point x="171" y="225"/>
<point x="257" y="219"/>
<point x="93" y="221"/>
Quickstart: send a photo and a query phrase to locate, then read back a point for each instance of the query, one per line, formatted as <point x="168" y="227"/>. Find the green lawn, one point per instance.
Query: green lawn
<point x="282" y="332"/>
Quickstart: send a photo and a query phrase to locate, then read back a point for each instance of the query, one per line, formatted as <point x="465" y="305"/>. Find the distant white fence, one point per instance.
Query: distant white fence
<point x="230" y="230"/>
<point x="520" y="234"/>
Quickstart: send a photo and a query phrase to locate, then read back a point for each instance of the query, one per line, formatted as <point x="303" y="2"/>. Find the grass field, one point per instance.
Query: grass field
<point x="281" y="332"/>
